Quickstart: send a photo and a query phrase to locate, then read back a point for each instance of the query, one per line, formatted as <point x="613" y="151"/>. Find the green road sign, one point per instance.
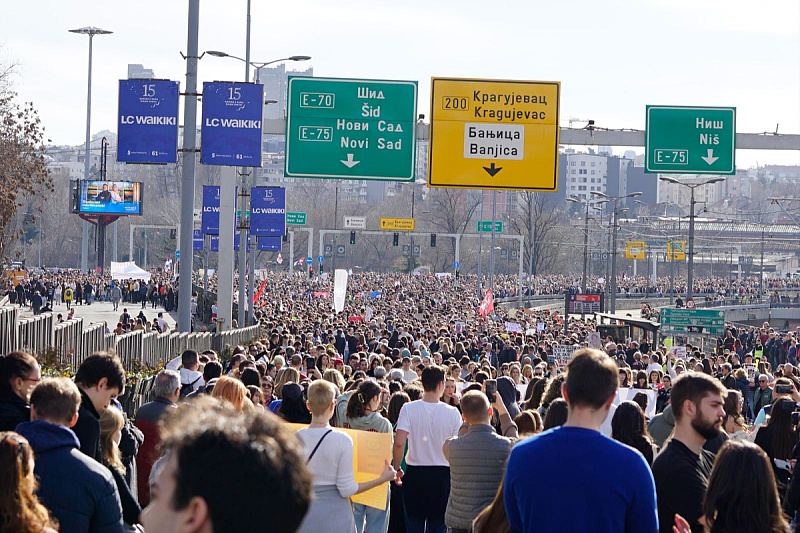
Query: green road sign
<point x="692" y="321"/>
<point x="690" y="140"/>
<point x="351" y="129"/>
<point x="486" y="226"/>
<point x="297" y="219"/>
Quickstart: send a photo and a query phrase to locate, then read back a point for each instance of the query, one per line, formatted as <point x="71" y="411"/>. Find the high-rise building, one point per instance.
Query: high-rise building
<point x="138" y="71"/>
<point x="275" y="80"/>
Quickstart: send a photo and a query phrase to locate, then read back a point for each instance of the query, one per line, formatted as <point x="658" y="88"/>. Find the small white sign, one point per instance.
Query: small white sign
<point x="355" y="222"/>
<point x="494" y="141"/>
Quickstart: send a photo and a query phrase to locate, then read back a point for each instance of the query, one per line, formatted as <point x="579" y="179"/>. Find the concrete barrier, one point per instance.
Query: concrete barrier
<point x="8" y="328"/>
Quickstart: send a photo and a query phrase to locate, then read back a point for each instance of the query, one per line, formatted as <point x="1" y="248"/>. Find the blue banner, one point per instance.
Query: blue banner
<point x="231" y="127"/>
<point x="210" y="214"/>
<point x="272" y="244"/>
<point x="147" y="121"/>
<point x="268" y="211"/>
<point x="198" y="239"/>
<point x="236" y="240"/>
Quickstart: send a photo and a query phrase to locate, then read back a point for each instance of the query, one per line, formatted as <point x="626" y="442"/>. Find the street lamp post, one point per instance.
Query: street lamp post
<point x="91" y="31"/>
<point x="614" y="199"/>
<point x="587" y="204"/>
<point x="246" y="288"/>
<point x="692" y="187"/>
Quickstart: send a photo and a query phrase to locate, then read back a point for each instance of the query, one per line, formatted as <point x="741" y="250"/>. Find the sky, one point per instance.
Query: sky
<point x="612" y="57"/>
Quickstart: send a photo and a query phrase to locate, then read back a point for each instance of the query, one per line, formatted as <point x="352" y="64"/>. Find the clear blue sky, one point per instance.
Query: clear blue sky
<point x="612" y="57"/>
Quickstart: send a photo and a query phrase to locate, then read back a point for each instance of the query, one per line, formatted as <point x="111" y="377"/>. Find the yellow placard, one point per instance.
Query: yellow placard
<point x="398" y="224"/>
<point x="370" y="450"/>
<point x="494" y="134"/>
<point x="676" y="251"/>
<point x="634" y="250"/>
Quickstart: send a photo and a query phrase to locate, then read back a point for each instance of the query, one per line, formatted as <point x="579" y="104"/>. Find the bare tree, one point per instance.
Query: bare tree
<point x="450" y="211"/>
<point x="23" y="174"/>
<point x="536" y="218"/>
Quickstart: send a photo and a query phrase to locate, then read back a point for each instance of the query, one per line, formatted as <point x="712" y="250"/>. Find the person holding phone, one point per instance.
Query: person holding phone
<point x="783" y="389"/>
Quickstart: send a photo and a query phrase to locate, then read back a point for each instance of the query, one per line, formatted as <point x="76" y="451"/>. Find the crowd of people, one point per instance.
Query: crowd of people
<point x="491" y="427"/>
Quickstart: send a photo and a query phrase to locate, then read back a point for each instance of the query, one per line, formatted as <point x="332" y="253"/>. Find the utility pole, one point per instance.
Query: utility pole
<point x="187" y="178"/>
<point x="761" y="283"/>
<point x="491" y="254"/>
<point x="244" y="196"/>
<point x="480" y="246"/>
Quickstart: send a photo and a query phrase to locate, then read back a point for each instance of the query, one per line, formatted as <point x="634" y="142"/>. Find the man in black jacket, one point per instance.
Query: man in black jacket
<point x="508" y="354"/>
<point x="100" y="378"/>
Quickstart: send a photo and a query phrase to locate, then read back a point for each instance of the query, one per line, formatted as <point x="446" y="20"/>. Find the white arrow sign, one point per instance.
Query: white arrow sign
<point x="709" y="158"/>
<point x="349" y="163"/>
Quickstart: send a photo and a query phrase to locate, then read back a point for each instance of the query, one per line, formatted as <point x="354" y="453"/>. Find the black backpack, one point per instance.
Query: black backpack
<point x="188" y="388"/>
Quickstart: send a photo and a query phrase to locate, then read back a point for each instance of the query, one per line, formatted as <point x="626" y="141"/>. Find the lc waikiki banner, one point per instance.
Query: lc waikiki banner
<point x="268" y="211"/>
<point x="231" y="127"/>
<point x="147" y="121"/>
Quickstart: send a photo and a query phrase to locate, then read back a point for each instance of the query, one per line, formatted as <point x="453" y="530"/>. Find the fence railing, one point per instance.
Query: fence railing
<point x="73" y="340"/>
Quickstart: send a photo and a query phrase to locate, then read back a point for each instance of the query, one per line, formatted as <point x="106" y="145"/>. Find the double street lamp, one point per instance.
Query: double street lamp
<point x="692" y="186"/>
<point x="246" y="291"/>
<point x="616" y="200"/>
<point x="587" y="203"/>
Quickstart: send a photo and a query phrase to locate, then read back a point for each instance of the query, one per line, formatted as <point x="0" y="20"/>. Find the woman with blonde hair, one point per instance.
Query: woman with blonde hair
<point x="111" y="423"/>
<point x="20" y="510"/>
<point x="335" y="377"/>
<point x="232" y="391"/>
<point x="286" y="375"/>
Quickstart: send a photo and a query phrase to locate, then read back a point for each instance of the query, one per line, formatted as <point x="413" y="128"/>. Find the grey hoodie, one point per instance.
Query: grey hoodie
<point x="661" y="426"/>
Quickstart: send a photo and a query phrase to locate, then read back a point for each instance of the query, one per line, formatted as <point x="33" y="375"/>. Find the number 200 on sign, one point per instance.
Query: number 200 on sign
<point x="458" y="103"/>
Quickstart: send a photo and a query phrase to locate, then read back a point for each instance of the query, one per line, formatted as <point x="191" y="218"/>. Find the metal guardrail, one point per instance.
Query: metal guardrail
<point x="74" y="341"/>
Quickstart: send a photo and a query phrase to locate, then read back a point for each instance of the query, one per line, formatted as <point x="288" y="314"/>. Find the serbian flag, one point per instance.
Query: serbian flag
<point x="300" y="261"/>
<point x="280" y="259"/>
<point x="487" y="306"/>
<point x="258" y="292"/>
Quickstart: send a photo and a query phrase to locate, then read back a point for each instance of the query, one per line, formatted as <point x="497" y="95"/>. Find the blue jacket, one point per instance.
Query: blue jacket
<point x="79" y="491"/>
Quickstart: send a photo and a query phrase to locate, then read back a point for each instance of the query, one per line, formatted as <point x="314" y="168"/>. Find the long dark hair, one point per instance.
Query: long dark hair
<point x="628" y="426"/>
<point x="396" y="402"/>
<point x="784" y="436"/>
<point x="493" y="519"/>
<point x="742" y="494"/>
<point x="359" y="400"/>
<point x="556" y="414"/>
<point x="535" y="398"/>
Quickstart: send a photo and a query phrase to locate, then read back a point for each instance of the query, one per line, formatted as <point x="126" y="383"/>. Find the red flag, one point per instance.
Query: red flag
<point x="487" y="306"/>
<point x="258" y="292"/>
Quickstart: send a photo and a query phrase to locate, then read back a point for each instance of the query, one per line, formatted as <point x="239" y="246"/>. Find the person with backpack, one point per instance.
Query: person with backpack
<point x="191" y="379"/>
<point x="67" y="295"/>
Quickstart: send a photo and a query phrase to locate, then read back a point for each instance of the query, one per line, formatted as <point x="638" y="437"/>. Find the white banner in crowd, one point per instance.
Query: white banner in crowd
<point x="563" y="352"/>
<point x="339" y="290"/>
<point x="625" y="393"/>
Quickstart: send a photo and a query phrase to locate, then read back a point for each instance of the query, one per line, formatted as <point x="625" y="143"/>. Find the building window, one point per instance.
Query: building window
<point x="592" y="163"/>
<point x="583" y="180"/>
<point x="572" y="163"/>
<point x="583" y="163"/>
<point x="573" y="171"/>
<point x="592" y="171"/>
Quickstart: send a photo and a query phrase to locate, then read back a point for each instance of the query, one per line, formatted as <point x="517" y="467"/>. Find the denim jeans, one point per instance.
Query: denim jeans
<point x="377" y="520"/>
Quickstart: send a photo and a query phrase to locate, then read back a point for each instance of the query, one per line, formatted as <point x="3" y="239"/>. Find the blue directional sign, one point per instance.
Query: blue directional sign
<point x="197" y="240"/>
<point x="309" y="260"/>
<point x="231" y="127"/>
<point x="177" y="254"/>
<point x="456" y="265"/>
<point x="147" y="121"/>
<point x="321" y="259"/>
<point x="268" y="211"/>
<point x="272" y="244"/>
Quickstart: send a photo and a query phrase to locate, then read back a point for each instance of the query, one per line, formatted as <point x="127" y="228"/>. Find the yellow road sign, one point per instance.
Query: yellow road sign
<point x="634" y="250"/>
<point x="397" y="224"/>
<point x="676" y="250"/>
<point x="494" y="134"/>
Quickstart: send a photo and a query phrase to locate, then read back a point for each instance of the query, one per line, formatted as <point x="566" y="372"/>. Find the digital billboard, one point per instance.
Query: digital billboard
<point x="110" y="197"/>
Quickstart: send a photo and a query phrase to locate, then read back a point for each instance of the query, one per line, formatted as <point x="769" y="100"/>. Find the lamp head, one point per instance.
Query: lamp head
<point x="91" y="30"/>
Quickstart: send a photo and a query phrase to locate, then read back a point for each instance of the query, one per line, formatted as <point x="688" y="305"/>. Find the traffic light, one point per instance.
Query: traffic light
<point x="433" y="240"/>
<point x="352" y="237"/>
<point x="321" y="268"/>
<point x="458" y="273"/>
<point x="286" y="237"/>
<point x="173" y="234"/>
<point x="310" y="271"/>
<point x="396" y="239"/>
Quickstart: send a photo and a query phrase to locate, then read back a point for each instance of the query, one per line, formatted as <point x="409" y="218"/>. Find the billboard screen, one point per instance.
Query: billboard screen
<point x="147" y="121"/>
<point x="110" y="197"/>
